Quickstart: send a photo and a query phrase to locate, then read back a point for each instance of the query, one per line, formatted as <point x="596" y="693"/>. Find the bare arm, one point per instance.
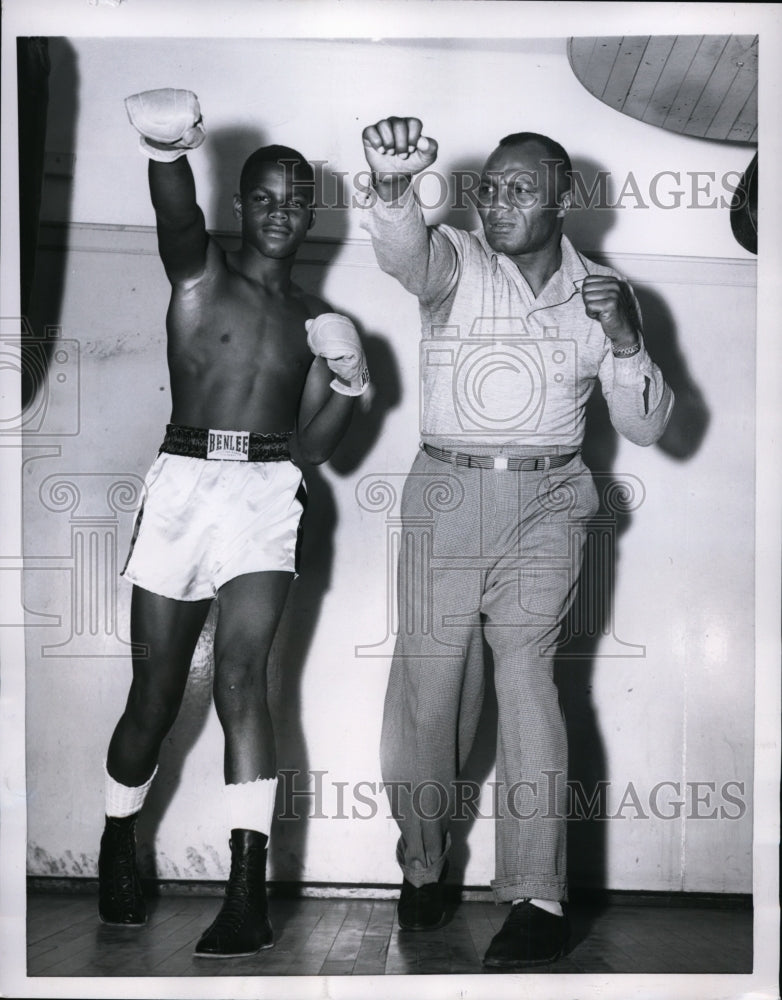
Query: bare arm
<point x="181" y="228"/>
<point x="170" y="125"/>
<point x="324" y="415"/>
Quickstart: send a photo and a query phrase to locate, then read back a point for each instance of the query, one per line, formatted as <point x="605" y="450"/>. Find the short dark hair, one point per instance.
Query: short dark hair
<point x="284" y="156"/>
<point x="555" y="154"/>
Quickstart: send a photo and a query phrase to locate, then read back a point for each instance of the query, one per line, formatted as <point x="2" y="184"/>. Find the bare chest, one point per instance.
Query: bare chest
<point x="238" y="330"/>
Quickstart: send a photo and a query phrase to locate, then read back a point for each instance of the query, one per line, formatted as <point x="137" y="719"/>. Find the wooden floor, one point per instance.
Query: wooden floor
<point x="350" y="937"/>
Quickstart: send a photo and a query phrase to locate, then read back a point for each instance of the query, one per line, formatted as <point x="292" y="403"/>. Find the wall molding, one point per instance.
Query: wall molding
<point x="653" y="269"/>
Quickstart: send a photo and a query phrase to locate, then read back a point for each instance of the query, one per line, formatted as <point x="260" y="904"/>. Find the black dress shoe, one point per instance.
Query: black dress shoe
<point x="529" y="936"/>
<point x="421" y="908"/>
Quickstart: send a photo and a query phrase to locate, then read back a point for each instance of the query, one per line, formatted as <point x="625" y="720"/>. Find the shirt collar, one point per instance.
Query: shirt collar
<point x="561" y="285"/>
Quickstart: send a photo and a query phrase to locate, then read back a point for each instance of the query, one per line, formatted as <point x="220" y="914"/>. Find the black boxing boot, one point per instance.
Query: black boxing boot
<point x="120" y="899"/>
<point x="242" y="926"/>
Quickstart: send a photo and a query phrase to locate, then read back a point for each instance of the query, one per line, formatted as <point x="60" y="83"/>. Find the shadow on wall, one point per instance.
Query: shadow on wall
<point x="591" y="624"/>
<point x="226" y="150"/>
<point x="690" y="417"/>
<point x="291" y="650"/>
<point x="43" y="65"/>
<point x="590" y="219"/>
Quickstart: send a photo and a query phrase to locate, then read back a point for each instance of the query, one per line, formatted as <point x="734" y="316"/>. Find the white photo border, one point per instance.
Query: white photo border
<point x="404" y="19"/>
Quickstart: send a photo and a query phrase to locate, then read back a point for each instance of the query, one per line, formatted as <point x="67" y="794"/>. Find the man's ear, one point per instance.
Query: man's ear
<point x="565" y="204"/>
<point x="312" y="218"/>
<point x="237" y="206"/>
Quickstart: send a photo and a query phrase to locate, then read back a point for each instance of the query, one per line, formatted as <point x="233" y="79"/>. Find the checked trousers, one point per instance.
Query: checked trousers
<point x="489" y="553"/>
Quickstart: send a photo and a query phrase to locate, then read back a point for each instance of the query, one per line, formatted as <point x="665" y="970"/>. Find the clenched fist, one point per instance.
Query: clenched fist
<point x="395" y="147"/>
<point x="609" y="300"/>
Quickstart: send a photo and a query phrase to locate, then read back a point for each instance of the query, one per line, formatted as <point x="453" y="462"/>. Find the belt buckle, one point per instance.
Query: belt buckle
<point x="500" y="463"/>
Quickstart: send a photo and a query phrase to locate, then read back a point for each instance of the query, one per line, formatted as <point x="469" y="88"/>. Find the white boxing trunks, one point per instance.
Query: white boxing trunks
<point x="206" y="520"/>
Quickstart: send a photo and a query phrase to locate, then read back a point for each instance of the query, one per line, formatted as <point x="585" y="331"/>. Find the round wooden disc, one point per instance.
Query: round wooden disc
<point x="699" y="85"/>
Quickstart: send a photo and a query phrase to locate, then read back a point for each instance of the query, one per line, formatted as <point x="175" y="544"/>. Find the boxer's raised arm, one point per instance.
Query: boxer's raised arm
<point x="181" y="230"/>
<point x="170" y="125"/>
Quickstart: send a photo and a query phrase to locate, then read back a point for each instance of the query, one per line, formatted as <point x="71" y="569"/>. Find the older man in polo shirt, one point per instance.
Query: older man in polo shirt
<point x="517" y="326"/>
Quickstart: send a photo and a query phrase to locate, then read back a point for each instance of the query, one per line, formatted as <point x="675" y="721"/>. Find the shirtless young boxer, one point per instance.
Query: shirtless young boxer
<point x="223" y="500"/>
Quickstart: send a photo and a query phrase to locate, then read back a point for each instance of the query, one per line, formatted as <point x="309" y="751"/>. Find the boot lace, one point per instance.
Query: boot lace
<point x="237" y="896"/>
<point x="125" y="883"/>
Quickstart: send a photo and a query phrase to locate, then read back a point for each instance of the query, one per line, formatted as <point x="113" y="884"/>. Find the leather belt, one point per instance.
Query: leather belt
<point x="540" y="463"/>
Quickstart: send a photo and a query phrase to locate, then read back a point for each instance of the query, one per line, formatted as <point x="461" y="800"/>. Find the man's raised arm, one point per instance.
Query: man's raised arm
<point x="170" y="125"/>
<point x="420" y="258"/>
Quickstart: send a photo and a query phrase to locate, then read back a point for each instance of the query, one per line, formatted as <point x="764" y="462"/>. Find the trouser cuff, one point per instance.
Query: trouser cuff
<point x="513" y="887"/>
<point x="422" y="874"/>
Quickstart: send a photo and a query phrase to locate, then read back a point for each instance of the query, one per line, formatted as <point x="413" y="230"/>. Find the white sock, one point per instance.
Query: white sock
<point x="549" y="905"/>
<point x="251" y="804"/>
<point x="124" y="800"/>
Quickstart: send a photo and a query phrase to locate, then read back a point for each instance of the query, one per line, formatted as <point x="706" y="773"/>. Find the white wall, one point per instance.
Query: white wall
<point x="675" y="706"/>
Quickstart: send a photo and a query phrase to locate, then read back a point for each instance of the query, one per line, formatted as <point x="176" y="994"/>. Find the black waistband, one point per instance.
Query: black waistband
<point x="238" y="446"/>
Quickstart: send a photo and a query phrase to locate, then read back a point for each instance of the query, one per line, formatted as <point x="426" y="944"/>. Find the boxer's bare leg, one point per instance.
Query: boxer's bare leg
<point x="250" y="610"/>
<point x="169" y="631"/>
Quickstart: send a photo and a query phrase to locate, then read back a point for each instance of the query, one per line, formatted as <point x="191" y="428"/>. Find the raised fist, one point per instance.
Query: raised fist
<point x="395" y="146"/>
